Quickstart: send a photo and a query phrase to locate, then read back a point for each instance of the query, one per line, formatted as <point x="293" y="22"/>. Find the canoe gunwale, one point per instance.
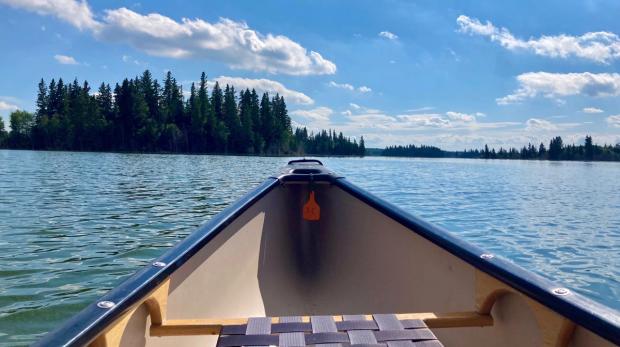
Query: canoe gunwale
<point x="585" y="312"/>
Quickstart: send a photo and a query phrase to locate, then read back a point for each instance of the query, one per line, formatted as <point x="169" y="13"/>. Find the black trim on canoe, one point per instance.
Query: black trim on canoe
<point x="86" y="325"/>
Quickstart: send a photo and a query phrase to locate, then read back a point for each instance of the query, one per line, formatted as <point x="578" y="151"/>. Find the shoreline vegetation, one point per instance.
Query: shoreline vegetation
<point x="556" y="150"/>
<point x="140" y="115"/>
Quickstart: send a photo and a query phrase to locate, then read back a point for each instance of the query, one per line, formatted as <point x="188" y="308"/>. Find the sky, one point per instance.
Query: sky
<point x="454" y="74"/>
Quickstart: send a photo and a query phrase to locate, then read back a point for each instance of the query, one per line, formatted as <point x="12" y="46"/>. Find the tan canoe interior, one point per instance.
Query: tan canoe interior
<point x="354" y="260"/>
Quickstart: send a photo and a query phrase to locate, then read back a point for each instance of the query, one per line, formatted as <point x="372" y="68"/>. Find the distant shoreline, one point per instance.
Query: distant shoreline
<point x="303" y="155"/>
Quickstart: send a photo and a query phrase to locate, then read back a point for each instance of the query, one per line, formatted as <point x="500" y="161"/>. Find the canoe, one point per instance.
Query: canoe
<point x="307" y="258"/>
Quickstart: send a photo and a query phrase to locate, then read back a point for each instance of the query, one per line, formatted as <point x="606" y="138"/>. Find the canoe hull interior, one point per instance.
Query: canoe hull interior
<point x="354" y="260"/>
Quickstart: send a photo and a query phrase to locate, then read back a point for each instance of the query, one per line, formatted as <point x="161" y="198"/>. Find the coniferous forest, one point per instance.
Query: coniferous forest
<point x="144" y="115"/>
<point x="557" y="150"/>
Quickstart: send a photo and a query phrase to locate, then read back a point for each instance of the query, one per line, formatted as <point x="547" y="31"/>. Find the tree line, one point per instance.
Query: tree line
<point x="142" y="115"/>
<point x="556" y="150"/>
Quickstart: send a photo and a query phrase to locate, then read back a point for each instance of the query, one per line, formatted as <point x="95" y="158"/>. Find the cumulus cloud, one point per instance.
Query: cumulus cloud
<point x="316" y="119"/>
<point x="350" y="87"/>
<point x="377" y="119"/>
<point x="614" y="121"/>
<point x="600" y="46"/>
<point x="262" y="85"/>
<point x="553" y="85"/>
<point x="542" y="125"/>
<point x="226" y="40"/>
<point x="592" y="110"/>
<point x="341" y="85"/>
<point x="317" y="114"/>
<point x="431" y="120"/>
<point x="6" y="106"/>
<point x="355" y="106"/>
<point x="76" y="13"/>
<point x="535" y="124"/>
<point x="388" y="35"/>
<point x="463" y="117"/>
<point x="234" y="43"/>
<point x="65" y="59"/>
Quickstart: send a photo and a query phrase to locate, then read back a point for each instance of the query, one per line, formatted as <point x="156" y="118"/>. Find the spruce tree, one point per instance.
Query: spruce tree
<point x="3" y="134"/>
<point x="246" y="140"/>
<point x="266" y="124"/>
<point x="231" y="120"/>
<point x="257" y="140"/>
<point x="205" y="115"/>
<point x="220" y="131"/>
<point x="40" y="128"/>
<point x="589" y="150"/>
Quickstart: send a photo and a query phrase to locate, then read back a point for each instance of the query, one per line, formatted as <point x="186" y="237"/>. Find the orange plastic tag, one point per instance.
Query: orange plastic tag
<point x="312" y="211"/>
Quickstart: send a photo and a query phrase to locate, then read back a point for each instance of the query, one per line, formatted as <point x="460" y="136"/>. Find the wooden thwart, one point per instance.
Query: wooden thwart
<point x="556" y="330"/>
<point x="183" y="327"/>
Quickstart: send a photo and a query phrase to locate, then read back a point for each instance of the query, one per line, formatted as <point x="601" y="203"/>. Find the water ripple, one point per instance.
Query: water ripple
<point x="73" y="225"/>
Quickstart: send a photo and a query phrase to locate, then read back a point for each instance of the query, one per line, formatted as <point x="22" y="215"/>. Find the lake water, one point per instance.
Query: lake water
<point x="73" y="225"/>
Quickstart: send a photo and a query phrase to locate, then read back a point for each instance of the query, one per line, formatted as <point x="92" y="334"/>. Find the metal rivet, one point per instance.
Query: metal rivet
<point x="561" y="291"/>
<point x="487" y="256"/>
<point x="105" y="304"/>
<point x="159" y="264"/>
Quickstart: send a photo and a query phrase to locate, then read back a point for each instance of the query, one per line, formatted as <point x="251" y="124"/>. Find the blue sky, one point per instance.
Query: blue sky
<point x="457" y="74"/>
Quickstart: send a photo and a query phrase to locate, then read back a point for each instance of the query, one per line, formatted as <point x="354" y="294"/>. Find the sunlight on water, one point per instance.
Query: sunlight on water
<point x="73" y="225"/>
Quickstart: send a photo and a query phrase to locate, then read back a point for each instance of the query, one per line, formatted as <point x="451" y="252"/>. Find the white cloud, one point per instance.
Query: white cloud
<point x="355" y="106"/>
<point x="614" y="121"/>
<point x="454" y="55"/>
<point x="228" y="41"/>
<point x="431" y="120"/>
<point x="462" y="117"/>
<point x="76" y="13"/>
<point x="542" y="125"/>
<point x="421" y="109"/>
<point x="341" y="85"/>
<point x="372" y="121"/>
<point x="265" y="85"/>
<point x="316" y="119"/>
<point x="347" y="86"/>
<point x="388" y="35"/>
<point x="553" y="85"/>
<point x="592" y="110"/>
<point x="234" y="43"/>
<point x="535" y="124"/>
<point x="376" y="119"/>
<point x="65" y="59"/>
<point x="129" y="59"/>
<point x="6" y="106"/>
<point x="317" y="114"/>
<point x="451" y="130"/>
<point x="600" y="46"/>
